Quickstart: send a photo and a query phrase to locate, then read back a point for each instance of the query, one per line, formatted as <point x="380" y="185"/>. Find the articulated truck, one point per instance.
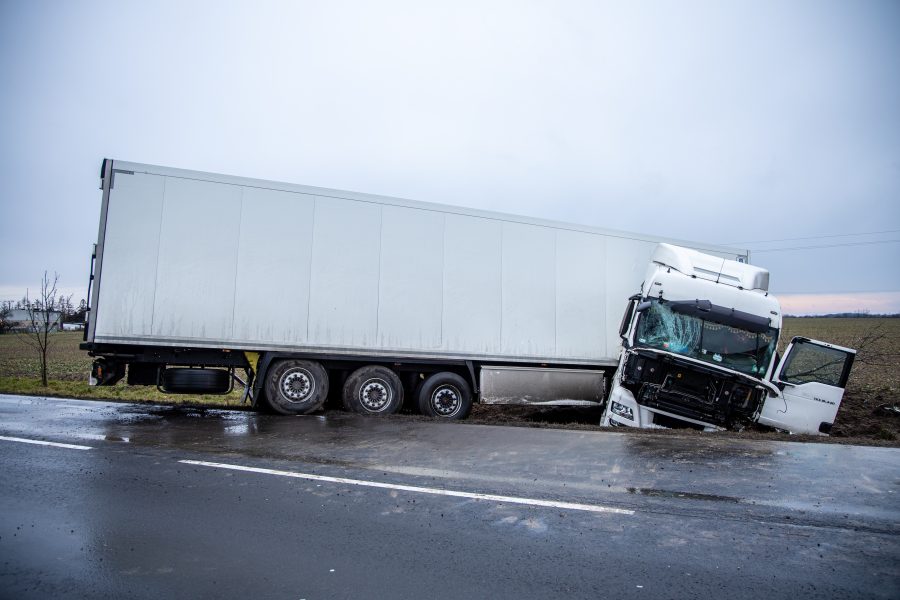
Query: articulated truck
<point x="385" y="303"/>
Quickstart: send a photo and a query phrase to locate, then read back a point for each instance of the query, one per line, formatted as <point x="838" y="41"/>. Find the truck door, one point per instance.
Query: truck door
<point x="812" y="376"/>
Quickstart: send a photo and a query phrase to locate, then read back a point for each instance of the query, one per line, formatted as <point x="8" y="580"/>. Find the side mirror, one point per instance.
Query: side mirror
<point x="627" y="317"/>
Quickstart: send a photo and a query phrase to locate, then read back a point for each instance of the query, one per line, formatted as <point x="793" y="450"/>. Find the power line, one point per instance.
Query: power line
<point x="826" y="246"/>
<point x="815" y="237"/>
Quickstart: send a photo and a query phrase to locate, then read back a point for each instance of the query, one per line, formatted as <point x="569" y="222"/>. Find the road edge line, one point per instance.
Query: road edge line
<point x="6" y="438"/>
<point x="595" y="508"/>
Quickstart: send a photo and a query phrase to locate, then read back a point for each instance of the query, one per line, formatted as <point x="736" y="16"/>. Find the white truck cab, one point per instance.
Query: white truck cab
<point x="700" y="350"/>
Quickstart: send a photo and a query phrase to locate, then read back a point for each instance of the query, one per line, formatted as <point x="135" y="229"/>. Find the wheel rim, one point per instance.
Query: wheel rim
<point x="297" y="385"/>
<point x="446" y="400"/>
<point x="375" y="395"/>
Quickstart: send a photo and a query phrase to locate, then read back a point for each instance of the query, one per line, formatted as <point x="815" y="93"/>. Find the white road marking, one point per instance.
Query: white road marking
<point x="43" y="443"/>
<point x="420" y="490"/>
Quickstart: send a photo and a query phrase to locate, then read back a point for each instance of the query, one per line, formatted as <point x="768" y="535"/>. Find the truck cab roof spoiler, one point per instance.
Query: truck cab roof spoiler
<point x="712" y="268"/>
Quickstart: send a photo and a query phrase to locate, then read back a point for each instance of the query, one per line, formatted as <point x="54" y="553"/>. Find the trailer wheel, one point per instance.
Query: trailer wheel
<point x="296" y="387"/>
<point x="373" y="390"/>
<point x="445" y="395"/>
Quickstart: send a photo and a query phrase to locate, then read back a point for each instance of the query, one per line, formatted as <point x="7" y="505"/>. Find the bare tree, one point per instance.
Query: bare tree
<point x="44" y="315"/>
<point x="874" y="346"/>
<point x="65" y="308"/>
<point x="5" y="310"/>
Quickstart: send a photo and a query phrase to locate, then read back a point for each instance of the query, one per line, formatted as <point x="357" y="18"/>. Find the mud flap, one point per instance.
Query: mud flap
<point x="104" y="372"/>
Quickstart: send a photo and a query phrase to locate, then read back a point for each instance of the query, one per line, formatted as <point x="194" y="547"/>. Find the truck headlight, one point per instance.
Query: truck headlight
<point x="621" y="410"/>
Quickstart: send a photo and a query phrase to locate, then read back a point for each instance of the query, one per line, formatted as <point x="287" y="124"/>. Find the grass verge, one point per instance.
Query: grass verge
<point x="27" y="386"/>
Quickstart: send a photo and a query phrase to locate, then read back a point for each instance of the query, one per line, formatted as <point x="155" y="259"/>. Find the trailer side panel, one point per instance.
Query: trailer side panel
<point x="206" y="261"/>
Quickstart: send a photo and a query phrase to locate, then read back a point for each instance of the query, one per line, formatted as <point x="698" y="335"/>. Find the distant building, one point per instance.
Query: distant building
<point x="19" y="320"/>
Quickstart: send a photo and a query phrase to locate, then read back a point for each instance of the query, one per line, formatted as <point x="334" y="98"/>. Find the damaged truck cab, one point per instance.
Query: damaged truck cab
<point x="700" y="350"/>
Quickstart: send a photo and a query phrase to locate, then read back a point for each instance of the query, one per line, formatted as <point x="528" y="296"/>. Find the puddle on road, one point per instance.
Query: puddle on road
<point x="682" y="495"/>
<point x="103" y="437"/>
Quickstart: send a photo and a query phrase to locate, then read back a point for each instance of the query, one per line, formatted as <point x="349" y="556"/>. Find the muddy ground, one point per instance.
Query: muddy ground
<point x="860" y="425"/>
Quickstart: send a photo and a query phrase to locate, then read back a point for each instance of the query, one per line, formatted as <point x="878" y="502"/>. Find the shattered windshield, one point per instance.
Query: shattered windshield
<point x="738" y="349"/>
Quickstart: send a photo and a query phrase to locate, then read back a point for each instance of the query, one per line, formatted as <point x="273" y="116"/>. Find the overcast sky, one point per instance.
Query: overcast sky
<point x="725" y="122"/>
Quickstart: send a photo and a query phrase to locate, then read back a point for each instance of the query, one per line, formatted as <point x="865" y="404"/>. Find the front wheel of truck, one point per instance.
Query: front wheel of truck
<point x="296" y="387"/>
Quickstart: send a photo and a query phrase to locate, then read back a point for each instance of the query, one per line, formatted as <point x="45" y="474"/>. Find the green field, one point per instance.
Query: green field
<point x="874" y="382"/>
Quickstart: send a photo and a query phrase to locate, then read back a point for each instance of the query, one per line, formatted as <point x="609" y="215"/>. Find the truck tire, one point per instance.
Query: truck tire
<point x="196" y="381"/>
<point x="446" y="396"/>
<point x="296" y="387"/>
<point x="373" y="390"/>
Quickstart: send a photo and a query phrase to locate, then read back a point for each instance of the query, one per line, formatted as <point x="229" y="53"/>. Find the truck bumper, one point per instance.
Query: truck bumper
<point x="622" y="410"/>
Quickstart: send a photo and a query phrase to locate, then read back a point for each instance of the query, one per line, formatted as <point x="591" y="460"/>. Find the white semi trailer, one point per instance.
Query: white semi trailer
<point x="384" y="300"/>
<point x="313" y="288"/>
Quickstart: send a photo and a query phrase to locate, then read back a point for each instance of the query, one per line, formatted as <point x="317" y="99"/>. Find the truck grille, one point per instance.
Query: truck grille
<point x="689" y="390"/>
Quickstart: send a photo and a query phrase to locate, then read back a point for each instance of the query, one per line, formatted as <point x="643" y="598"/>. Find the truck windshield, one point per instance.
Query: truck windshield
<point x="738" y="349"/>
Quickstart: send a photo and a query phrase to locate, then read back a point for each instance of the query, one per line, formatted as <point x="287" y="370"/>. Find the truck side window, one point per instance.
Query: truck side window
<point x="811" y="363"/>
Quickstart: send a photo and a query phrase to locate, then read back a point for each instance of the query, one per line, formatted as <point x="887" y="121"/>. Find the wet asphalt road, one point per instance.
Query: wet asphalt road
<point x="583" y="514"/>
